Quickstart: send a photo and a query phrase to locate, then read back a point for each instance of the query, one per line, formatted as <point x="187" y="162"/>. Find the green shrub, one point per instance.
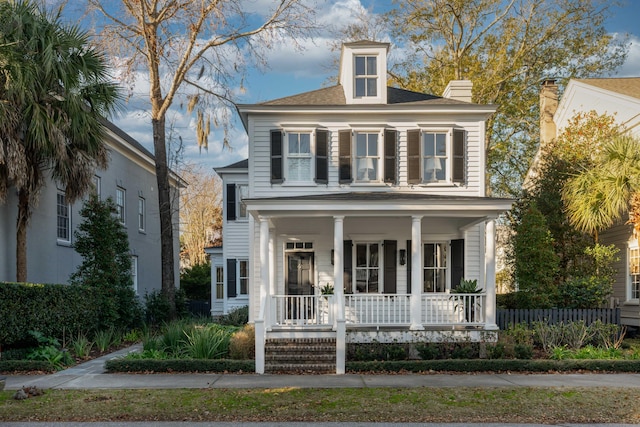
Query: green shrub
<point x="428" y="351"/>
<point x="196" y="282"/>
<point x="54" y="310"/>
<point x="49" y="350"/>
<point x="523" y="351"/>
<point x="157" y="307"/>
<point x="103" y="339"/>
<point x="179" y="365"/>
<point x="210" y="342"/>
<point x="377" y="351"/>
<point x="236" y="317"/>
<point x="9" y="366"/>
<point x="81" y="346"/>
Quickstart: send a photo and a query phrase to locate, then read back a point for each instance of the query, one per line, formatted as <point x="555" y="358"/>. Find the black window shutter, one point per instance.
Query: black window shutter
<point x="408" y="266"/>
<point x="231" y="278"/>
<point x="322" y="156"/>
<point x="390" y="150"/>
<point x="276" y="157"/>
<point x="457" y="173"/>
<point x="347" y="264"/>
<point x="390" y="251"/>
<point x="344" y="156"/>
<point x="413" y="156"/>
<point x="457" y="262"/>
<point x="231" y="202"/>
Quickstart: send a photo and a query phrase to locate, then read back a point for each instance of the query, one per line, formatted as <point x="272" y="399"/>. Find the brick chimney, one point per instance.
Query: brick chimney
<point x="459" y="90"/>
<point x="548" y="107"/>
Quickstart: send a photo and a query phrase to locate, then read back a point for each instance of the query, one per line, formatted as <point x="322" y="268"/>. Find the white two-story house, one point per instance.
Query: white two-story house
<point x="376" y="194"/>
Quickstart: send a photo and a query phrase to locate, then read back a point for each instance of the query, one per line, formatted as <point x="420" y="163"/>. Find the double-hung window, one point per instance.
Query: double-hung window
<point x="235" y="201"/>
<point x="633" y="292"/>
<point x="243" y="277"/>
<point x="367" y="157"/>
<point x="435" y="267"/>
<point x="120" y="204"/>
<point x="436" y="156"/>
<point x="367" y="267"/>
<point x="63" y="218"/>
<point x="134" y="273"/>
<point x="366" y="76"/>
<point x="97" y="184"/>
<point x="141" y="213"/>
<point x="299" y="157"/>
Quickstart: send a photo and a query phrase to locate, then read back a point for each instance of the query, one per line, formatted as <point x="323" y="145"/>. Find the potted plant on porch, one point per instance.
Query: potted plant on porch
<point x="466" y="303"/>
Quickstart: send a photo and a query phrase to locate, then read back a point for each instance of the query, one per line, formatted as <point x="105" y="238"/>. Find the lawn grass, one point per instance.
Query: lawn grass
<point x="523" y="405"/>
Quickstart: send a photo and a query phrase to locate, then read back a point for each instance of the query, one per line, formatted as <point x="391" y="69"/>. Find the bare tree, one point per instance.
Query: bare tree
<point x="200" y="213"/>
<point x="203" y="45"/>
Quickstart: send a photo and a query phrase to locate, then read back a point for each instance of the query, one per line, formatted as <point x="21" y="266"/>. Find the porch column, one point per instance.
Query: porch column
<point x="490" y="275"/>
<point x="263" y="315"/>
<point x="416" y="274"/>
<point x="338" y="293"/>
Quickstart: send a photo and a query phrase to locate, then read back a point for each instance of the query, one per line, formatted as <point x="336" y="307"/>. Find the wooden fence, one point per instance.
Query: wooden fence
<point x="199" y="308"/>
<point x="552" y="316"/>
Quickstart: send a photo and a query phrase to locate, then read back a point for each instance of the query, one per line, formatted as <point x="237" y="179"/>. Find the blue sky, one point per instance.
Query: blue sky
<point x="293" y="72"/>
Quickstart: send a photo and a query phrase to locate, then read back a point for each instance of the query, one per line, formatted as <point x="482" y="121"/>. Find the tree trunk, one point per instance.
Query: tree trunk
<point x="166" y="223"/>
<point x="24" y="212"/>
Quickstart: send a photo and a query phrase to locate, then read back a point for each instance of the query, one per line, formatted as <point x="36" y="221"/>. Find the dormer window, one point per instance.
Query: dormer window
<point x="366" y="76"/>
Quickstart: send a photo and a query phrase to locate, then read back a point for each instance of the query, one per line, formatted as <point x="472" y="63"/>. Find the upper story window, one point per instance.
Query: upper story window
<point x="302" y="158"/>
<point x="63" y="218"/>
<point x="436" y="156"/>
<point x="368" y="157"/>
<point x="97" y="185"/>
<point x="366" y="76"/>
<point x="299" y="157"/>
<point x="141" y="214"/>
<point x="236" y="206"/>
<point x="120" y="204"/>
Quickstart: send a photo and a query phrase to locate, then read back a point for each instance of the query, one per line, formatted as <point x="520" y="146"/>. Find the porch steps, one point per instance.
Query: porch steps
<point x="300" y="355"/>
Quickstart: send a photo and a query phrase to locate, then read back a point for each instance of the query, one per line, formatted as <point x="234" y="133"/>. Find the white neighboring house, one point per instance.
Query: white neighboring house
<point x="130" y="180"/>
<point x="375" y="192"/>
<point x="619" y="97"/>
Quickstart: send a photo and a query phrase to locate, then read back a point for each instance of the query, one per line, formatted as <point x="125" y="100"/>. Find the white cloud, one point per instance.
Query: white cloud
<point x="631" y="67"/>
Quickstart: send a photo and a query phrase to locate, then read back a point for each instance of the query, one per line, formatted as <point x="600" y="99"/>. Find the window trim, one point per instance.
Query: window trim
<point x="312" y="156"/>
<point x="67" y="207"/>
<point x="379" y="179"/>
<point x="455" y="161"/>
<point x="121" y="210"/>
<point x="142" y="216"/>
<point x="379" y="267"/>
<point x="219" y="285"/>
<point x="366" y="77"/>
<point x="447" y="267"/>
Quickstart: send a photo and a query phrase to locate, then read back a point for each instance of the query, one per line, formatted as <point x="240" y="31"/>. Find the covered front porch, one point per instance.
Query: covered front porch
<point x="343" y="267"/>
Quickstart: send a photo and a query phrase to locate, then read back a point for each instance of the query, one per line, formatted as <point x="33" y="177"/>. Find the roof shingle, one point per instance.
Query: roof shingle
<point x="629" y="86"/>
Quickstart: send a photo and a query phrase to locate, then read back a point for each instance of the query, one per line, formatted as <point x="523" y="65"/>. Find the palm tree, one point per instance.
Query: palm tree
<point x="599" y="196"/>
<point x="54" y="93"/>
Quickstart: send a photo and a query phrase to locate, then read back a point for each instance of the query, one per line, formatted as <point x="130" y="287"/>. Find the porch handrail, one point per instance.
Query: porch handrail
<point x="303" y="310"/>
<point x="377" y="309"/>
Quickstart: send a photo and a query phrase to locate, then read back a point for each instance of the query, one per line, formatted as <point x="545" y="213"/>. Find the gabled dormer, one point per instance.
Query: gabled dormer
<point x="363" y="72"/>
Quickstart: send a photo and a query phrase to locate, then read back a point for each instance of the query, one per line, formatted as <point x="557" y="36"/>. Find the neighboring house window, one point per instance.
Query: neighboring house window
<point x="634" y="273"/>
<point x="97" y="185"/>
<point x="236" y="207"/>
<point x="219" y="282"/>
<point x="237" y="277"/>
<point x="120" y="204"/>
<point x="365" y="157"/>
<point x="63" y="218"/>
<point x="366" y="76"/>
<point x="435" y="156"/>
<point x="299" y="157"/>
<point x="243" y="277"/>
<point x="243" y="193"/>
<point x="141" y="214"/>
<point x="367" y="267"/>
<point x="134" y="273"/>
<point x="435" y="267"/>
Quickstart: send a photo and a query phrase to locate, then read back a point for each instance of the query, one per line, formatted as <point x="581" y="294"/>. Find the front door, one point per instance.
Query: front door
<point x="299" y="282"/>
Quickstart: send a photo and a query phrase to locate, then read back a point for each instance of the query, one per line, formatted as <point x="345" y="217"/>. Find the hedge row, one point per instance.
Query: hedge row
<point x="53" y="310"/>
<point x="496" y="365"/>
<point x="26" y="366"/>
<point x="179" y="365"/>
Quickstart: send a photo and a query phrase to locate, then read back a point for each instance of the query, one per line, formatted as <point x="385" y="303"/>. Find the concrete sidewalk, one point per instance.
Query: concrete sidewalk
<point x="91" y="375"/>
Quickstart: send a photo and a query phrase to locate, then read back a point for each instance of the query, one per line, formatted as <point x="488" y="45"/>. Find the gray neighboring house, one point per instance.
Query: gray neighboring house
<point x="130" y="181"/>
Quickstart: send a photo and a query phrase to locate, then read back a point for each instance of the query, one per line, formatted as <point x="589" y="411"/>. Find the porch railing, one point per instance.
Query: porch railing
<point x="374" y="310"/>
<point x="453" y="309"/>
<point x="303" y="310"/>
<point x="379" y="310"/>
